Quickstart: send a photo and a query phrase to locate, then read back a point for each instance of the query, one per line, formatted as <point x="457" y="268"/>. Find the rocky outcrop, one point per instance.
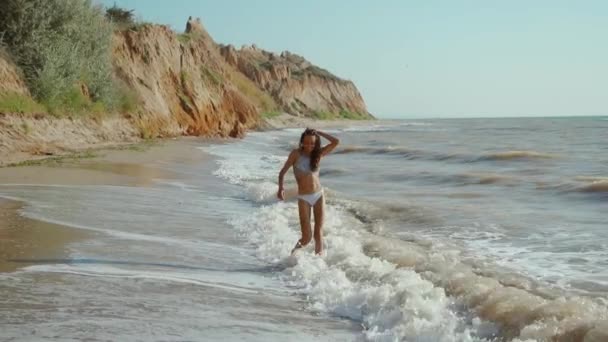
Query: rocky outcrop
<point x="195" y="27"/>
<point x="10" y="78"/>
<point x="182" y="82"/>
<point x="298" y="86"/>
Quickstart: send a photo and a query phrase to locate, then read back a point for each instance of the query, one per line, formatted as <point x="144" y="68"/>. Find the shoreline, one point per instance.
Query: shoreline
<point x="122" y="163"/>
<point x="25" y="241"/>
<point x="26" y="143"/>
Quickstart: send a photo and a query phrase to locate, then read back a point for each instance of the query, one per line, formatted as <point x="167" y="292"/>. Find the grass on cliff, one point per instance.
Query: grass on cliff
<point x="315" y="71"/>
<point x="343" y="114"/>
<point x="18" y="103"/>
<point x="70" y="104"/>
<point x="73" y="103"/>
<point x="270" y="115"/>
<point x="211" y="76"/>
<point x="123" y="19"/>
<point x="186" y="38"/>
<point x="262" y="100"/>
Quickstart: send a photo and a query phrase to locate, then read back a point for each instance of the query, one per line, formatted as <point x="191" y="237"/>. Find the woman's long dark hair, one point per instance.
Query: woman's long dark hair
<point x="315" y="155"/>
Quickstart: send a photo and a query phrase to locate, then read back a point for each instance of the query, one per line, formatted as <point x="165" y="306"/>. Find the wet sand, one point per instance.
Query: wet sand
<point x="25" y="241"/>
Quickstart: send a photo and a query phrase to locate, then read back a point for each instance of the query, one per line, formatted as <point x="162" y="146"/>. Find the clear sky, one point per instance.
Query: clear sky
<point x="427" y="58"/>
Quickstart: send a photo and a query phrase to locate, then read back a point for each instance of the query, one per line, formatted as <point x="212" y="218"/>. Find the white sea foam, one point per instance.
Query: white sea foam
<point x="403" y="290"/>
<point x="391" y="303"/>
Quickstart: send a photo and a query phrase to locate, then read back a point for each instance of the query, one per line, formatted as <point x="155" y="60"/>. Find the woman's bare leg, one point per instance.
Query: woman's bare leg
<point x="319" y="211"/>
<point x="304" y="211"/>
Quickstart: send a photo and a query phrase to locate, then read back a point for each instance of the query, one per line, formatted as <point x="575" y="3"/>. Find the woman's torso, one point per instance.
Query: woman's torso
<point x="308" y="180"/>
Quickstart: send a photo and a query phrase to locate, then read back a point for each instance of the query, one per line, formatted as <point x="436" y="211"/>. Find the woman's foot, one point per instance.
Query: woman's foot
<point x="298" y="246"/>
<point x="319" y="248"/>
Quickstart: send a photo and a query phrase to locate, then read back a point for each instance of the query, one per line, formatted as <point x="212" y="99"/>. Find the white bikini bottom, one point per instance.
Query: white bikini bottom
<point x="311" y="198"/>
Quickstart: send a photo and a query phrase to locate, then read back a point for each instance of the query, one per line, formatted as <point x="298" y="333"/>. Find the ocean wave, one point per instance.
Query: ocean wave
<point x="374" y="213"/>
<point x="595" y="184"/>
<point x="400" y="151"/>
<point x="408" y="290"/>
<point x="485" y="178"/>
<point x="591" y="179"/>
<point x="469" y="178"/>
<point x="411" y="153"/>
<point x="591" y="185"/>
<point x="395" y="150"/>
<point x="354" y="149"/>
<point x="516" y="155"/>
<point x="332" y="172"/>
<point x="511" y="301"/>
<point x="416" y="289"/>
<point x="390" y="303"/>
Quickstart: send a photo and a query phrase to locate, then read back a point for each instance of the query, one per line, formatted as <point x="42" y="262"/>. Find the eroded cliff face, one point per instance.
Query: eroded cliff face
<point x="298" y="86"/>
<point x="182" y="82"/>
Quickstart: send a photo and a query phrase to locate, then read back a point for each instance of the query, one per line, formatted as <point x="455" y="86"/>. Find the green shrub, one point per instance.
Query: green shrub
<point x="140" y="25"/>
<point x="122" y="18"/>
<point x="71" y="103"/>
<point x="59" y="44"/>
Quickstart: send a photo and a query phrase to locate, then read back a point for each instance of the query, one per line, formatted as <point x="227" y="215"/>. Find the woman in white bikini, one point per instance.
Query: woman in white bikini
<point x="305" y="161"/>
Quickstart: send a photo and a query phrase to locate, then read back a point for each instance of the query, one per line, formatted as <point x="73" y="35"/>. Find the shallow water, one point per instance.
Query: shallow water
<point x="436" y="230"/>
<point x="160" y="263"/>
<point x="447" y="230"/>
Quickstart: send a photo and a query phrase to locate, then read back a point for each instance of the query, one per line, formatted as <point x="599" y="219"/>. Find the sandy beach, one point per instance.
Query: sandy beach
<point x="25" y="241"/>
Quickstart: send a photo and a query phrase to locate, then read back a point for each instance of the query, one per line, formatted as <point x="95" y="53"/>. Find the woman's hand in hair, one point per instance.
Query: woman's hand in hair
<point x="333" y="142"/>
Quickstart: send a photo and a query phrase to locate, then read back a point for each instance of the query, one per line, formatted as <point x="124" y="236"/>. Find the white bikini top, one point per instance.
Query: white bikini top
<point x="303" y="164"/>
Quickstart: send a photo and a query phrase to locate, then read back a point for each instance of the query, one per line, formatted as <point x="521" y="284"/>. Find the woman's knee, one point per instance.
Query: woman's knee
<point x="318" y="223"/>
<point x="318" y="233"/>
